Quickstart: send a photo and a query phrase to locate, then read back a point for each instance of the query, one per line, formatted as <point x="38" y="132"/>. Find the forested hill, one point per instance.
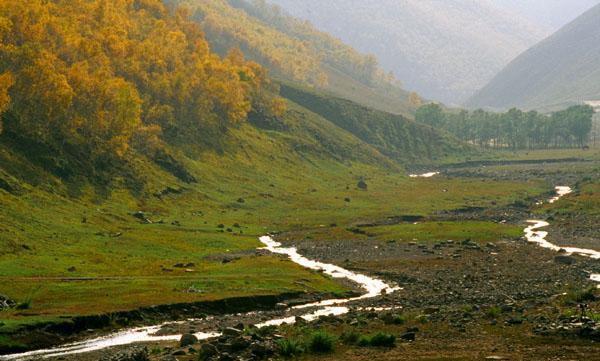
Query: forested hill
<point x="561" y="70"/>
<point x="91" y="90"/>
<point x="444" y="50"/>
<point x="294" y="50"/>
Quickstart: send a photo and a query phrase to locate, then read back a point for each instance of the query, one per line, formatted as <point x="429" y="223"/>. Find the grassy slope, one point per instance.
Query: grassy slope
<point x="295" y="178"/>
<point x="393" y="135"/>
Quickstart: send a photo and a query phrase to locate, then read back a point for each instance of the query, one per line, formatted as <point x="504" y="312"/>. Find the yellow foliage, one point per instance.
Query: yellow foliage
<point x="6" y="81"/>
<point x="94" y="73"/>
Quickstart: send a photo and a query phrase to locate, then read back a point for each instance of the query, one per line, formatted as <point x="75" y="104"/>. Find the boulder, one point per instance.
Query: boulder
<point x="362" y="185"/>
<point x="207" y="351"/>
<point x="408" y="336"/>
<point x="187" y="340"/>
<point x="567" y="260"/>
<point x="6" y="303"/>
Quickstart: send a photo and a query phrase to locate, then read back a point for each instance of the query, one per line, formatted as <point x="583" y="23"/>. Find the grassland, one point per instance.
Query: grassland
<point x="66" y="255"/>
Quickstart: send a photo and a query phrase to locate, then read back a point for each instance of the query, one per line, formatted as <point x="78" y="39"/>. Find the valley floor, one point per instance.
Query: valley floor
<point x="487" y="294"/>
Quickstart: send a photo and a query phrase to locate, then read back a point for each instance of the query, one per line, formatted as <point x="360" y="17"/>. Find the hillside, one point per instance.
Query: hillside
<point x="395" y="136"/>
<point x="444" y="50"/>
<point x="296" y="51"/>
<point x="559" y="71"/>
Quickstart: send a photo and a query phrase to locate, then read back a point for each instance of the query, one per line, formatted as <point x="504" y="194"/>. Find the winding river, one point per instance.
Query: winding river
<point x="535" y="235"/>
<point x="373" y="287"/>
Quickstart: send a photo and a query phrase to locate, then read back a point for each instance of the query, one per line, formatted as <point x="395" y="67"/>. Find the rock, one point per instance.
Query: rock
<point x="362" y="184"/>
<point x="241" y="343"/>
<point x="408" y="336"/>
<point x="187" y="340"/>
<point x="514" y="321"/>
<point x="230" y="331"/>
<point x="6" y="303"/>
<point x="207" y="351"/>
<point x="567" y="260"/>
<point x="142" y="217"/>
<point x="260" y="350"/>
<point x="431" y="310"/>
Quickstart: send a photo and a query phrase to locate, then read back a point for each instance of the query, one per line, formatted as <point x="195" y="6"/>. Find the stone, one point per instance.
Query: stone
<point x="230" y="331"/>
<point x="6" y="303"/>
<point x="408" y="336"/>
<point x="208" y="350"/>
<point x="188" y="340"/>
<point x="566" y="260"/>
<point x="362" y="185"/>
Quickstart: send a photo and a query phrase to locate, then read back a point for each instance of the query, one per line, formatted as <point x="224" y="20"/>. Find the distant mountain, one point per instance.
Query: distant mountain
<point x="552" y="13"/>
<point x="444" y="50"/>
<point x="561" y="70"/>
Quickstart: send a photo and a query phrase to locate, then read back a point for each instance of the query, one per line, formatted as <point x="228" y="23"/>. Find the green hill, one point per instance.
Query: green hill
<point x="395" y="136"/>
<point x="560" y="71"/>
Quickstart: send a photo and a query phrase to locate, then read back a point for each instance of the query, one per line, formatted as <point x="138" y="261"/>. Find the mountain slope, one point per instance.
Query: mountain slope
<point x="552" y="13"/>
<point x="395" y="136"/>
<point x="444" y="50"/>
<point x="294" y="50"/>
<point x="561" y="70"/>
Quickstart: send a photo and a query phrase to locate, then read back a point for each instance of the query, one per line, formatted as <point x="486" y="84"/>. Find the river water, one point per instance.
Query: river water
<point x="373" y="287"/>
<point x="535" y="235"/>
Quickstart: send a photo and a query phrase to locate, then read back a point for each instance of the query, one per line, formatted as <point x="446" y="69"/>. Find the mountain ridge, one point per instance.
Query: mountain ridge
<point x="431" y="46"/>
<point x="559" y="71"/>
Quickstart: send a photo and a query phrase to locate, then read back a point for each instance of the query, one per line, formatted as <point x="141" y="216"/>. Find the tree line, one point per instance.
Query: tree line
<point x="513" y="129"/>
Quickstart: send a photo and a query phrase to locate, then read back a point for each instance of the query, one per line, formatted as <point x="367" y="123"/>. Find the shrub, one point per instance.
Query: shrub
<point x="364" y="341"/>
<point x="350" y="337"/>
<point x="25" y="305"/>
<point x="383" y="340"/>
<point x="321" y="342"/>
<point x="393" y="319"/>
<point x="289" y="348"/>
<point x="581" y="296"/>
<point x="494" y="312"/>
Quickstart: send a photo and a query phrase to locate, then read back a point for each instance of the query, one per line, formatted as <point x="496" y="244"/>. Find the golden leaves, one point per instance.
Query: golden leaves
<point x="6" y="81"/>
<point x="95" y="73"/>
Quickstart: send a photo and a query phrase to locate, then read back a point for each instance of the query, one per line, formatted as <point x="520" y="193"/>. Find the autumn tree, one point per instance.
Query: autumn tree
<point x="6" y="81"/>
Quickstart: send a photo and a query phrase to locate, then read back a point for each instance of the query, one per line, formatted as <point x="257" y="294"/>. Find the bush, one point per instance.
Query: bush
<point x="350" y="337"/>
<point x="494" y="312"/>
<point x="364" y="341"/>
<point x="321" y="342"/>
<point x="383" y="340"/>
<point x="25" y="305"/>
<point x="581" y="296"/>
<point x="289" y="348"/>
<point x="393" y="319"/>
<point x="378" y="340"/>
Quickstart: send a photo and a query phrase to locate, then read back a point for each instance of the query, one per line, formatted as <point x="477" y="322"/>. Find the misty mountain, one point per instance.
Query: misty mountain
<point x="561" y="70"/>
<point x="552" y="13"/>
<point x="444" y="50"/>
